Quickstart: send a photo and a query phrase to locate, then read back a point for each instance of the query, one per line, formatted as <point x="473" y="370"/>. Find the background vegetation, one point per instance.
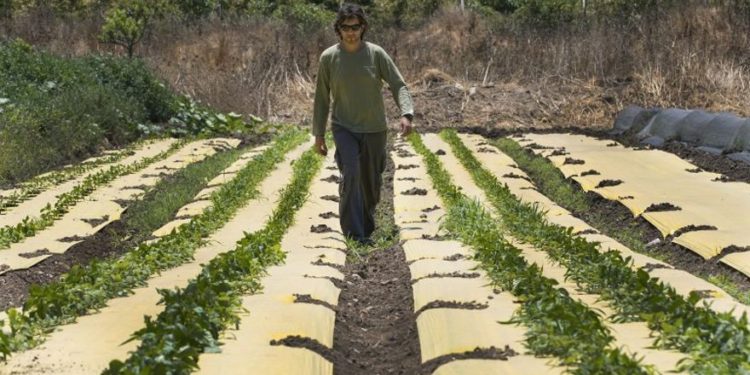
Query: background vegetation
<point x="259" y="57"/>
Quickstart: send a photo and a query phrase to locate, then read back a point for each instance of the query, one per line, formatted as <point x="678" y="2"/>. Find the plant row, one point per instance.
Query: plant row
<point x="552" y="183"/>
<point x="85" y="288"/>
<point x="558" y="325"/>
<point x="717" y="342"/>
<point x="195" y="316"/>
<point x="36" y="185"/>
<point x="29" y="226"/>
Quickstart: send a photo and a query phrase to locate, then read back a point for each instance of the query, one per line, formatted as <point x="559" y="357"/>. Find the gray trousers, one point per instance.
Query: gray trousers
<point x="361" y="161"/>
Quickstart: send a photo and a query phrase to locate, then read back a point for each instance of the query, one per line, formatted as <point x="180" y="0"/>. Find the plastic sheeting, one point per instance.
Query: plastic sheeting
<point x="633" y="119"/>
<point x="84" y="347"/>
<point x="654" y="177"/>
<point x="684" y="281"/>
<point x="100" y="206"/>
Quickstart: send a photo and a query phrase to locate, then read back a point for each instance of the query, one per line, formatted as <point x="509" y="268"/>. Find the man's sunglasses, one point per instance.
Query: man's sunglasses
<point x="354" y="27"/>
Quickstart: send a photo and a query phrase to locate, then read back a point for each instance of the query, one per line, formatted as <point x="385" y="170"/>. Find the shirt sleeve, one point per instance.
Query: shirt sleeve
<point x="390" y="74"/>
<point x="322" y="101"/>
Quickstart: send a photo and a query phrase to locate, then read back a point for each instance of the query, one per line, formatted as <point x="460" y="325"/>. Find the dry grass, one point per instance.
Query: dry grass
<point x="693" y="57"/>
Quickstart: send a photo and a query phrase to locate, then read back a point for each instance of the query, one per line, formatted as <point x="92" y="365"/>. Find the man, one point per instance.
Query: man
<point x="349" y="83"/>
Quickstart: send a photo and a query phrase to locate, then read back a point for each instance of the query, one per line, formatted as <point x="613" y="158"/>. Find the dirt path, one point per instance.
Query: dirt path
<point x="375" y="328"/>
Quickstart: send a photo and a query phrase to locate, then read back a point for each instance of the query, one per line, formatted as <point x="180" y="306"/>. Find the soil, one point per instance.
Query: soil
<point x="618" y="218"/>
<point x="14" y="285"/>
<point x="114" y="240"/>
<point x="376" y="331"/>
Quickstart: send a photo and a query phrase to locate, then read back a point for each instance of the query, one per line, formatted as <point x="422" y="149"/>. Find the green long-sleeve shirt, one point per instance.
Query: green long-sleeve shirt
<point x="351" y="83"/>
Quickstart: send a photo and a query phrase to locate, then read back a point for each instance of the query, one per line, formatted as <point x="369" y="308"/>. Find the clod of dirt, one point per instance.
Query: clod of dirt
<point x="692" y="228"/>
<point x="332" y="178"/>
<point x="430" y="209"/>
<point x="404" y="154"/>
<point x="75" y="238"/>
<point x="96" y="221"/>
<point x="613" y="144"/>
<point x="625" y="197"/>
<point x="328" y="215"/>
<point x="587" y="231"/>
<point x="34" y="254"/>
<point x="321" y="228"/>
<point x="149" y="175"/>
<point x="516" y="176"/>
<point x="306" y="298"/>
<point x="435" y="237"/>
<point x="694" y="170"/>
<point x="414" y="191"/>
<point x="572" y="161"/>
<point x="452" y="305"/>
<point x="729" y="250"/>
<point x="653" y="266"/>
<point x="412" y="179"/>
<point x="536" y="146"/>
<point x="440" y="152"/>
<point x="491" y="353"/>
<point x="321" y="262"/>
<point x="333" y="198"/>
<point x="457" y="274"/>
<point x="4" y="267"/>
<point x="137" y="187"/>
<point x="124" y="203"/>
<point x="723" y="178"/>
<point x="661" y="207"/>
<point x="486" y="150"/>
<point x="423" y="216"/>
<point x="183" y="217"/>
<point x="454" y="257"/>
<point x="608" y="183"/>
<point x="407" y="166"/>
<point x="559" y="153"/>
<point x="590" y="172"/>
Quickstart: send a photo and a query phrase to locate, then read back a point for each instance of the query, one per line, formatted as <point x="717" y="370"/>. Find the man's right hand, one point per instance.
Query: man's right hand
<point x="320" y="146"/>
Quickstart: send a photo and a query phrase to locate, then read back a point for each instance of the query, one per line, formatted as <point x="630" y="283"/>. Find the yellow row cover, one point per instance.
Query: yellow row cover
<point x="84" y="347"/>
<point x="437" y="268"/>
<point x="682" y="281"/>
<point x="652" y="177"/>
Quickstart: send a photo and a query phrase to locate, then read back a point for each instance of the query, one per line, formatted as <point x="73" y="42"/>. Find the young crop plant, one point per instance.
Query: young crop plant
<point x="30" y="226"/>
<point x="717" y="343"/>
<point x="89" y="287"/>
<point x="34" y="186"/>
<point x="557" y="324"/>
<point x="195" y="316"/>
<point x="553" y="184"/>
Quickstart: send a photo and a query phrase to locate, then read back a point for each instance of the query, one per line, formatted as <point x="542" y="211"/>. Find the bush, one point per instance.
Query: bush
<point x="67" y="109"/>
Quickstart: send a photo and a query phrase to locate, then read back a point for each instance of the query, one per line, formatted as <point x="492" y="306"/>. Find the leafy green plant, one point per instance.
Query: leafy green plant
<point x="717" y="342"/>
<point x="127" y="22"/>
<point x="86" y="288"/>
<point x="556" y="322"/>
<point x="29" y="226"/>
<point x="194" y="316"/>
<point x="33" y="187"/>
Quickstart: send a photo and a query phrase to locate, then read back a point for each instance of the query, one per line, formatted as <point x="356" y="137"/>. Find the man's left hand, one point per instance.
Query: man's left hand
<point x="406" y="127"/>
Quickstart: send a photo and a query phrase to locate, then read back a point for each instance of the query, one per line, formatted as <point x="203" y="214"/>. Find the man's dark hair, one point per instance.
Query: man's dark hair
<point x="347" y="11"/>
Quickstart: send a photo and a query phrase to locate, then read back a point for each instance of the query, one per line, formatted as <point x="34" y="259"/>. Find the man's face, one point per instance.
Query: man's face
<point x="351" y="30"/>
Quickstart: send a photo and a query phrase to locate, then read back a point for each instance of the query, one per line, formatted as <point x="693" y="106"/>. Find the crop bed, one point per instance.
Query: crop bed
<point x="252" y="275"/>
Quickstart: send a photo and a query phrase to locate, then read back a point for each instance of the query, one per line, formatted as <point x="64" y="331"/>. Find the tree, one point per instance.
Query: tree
<point x="127" y="22"/>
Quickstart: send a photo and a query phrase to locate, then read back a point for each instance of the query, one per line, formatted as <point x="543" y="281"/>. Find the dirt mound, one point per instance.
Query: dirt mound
<point x="434" y="78"/>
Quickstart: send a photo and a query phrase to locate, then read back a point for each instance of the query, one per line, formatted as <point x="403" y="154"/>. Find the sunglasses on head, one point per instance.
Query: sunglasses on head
<point x="354" y="27"/>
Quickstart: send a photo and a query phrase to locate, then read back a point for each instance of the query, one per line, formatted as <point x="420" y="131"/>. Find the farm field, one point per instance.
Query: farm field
<point x="479" y="265"/>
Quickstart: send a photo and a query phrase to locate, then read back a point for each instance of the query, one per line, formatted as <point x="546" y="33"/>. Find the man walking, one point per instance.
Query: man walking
<point x="349" y="83"/>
